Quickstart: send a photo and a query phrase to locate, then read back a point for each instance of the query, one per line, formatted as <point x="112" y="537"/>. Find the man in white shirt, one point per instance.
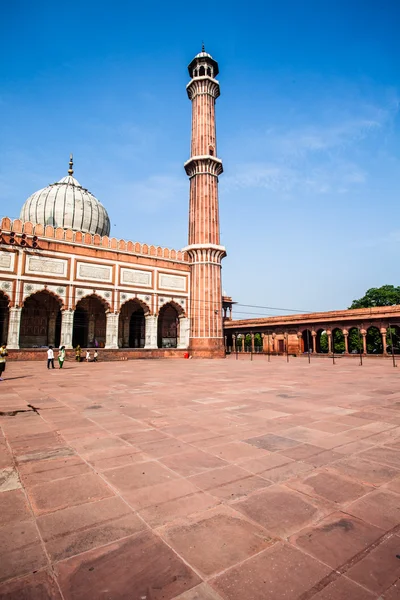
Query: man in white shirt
<point x="50" y="357"/>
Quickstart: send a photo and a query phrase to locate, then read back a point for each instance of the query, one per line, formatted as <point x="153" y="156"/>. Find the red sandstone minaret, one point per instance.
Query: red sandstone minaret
<point x="204" y="249"/>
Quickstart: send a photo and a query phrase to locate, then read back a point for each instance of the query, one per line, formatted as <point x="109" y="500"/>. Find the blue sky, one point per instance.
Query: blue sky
<point x="307" y="122"/>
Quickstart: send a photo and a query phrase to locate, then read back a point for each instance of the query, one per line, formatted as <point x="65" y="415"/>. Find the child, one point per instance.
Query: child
<point x="95" y="355"/>
<point x="50" y="357"/>
<point x="3" y="354"/>
<point x="87" y="355"/>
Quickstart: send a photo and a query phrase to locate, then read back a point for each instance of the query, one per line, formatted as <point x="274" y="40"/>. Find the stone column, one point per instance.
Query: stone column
<point x="273" y="342"/>
<point x="150" y="332"/>
<point x="384" y="342"/>
<point x="14" y="323"/>
<point x="364" y="340"/>
<point x="67" y="327"/>
<point x="346" y="341"/>
<point x="184" y="332"/>
<point x="125" y="332"/>
<point x="111" y="330"/>
<point x="233" y="343"/>
<point x="51" y="331"/>
<point x="329" y="334"/>
<point x="252" y="343"/>
<point x="299" y="338"/>
<point x="243" y="342"/>
<point x="314" y="341"/>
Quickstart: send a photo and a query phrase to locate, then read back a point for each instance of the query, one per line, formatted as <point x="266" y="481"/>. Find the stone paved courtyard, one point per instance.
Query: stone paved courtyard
<point x="200" y="480"/>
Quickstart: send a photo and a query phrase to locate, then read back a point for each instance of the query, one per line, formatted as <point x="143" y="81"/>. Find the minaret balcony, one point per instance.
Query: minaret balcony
<point x="203" y="165"/>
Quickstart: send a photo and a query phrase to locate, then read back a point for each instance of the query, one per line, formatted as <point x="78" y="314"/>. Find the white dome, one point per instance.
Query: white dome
<point x="68" y="205"/>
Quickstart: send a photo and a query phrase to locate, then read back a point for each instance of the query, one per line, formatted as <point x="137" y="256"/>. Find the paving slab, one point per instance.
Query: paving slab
<point x="35" y="586"/>
<point x="380" y="569"/>
<point x="381" y="508"/>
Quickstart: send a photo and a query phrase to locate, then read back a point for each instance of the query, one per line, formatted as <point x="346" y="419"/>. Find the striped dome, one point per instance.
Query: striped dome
<point x="68" y="205"/>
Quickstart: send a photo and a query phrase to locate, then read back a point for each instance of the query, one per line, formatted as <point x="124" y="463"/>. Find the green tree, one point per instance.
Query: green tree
<point x="323" y="342"/>
<point x="387" y="295"/>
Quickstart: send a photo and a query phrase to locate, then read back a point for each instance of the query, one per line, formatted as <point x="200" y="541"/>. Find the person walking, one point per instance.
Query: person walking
<point x="87" y="355"/>
<point x="61" y="356"/>
<point x="3" y="355"/>
<point x="95" y="355"/>
<point x="50" y="357"/>
<point x="78" y="353"/>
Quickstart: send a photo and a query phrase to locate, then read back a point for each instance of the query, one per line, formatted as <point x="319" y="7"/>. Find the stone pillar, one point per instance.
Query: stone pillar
<point x="51" y="331"/>
<point x="299" y="338"/>
<point x="233" y="343"/>
<point x="346" y="341"/>
<point x="329" y="334"/>
<point x="364" y="340"/>
<point x="184" y="332"/>
<point x="150" y="332"/>
<point x="384" y="342"/>
<point x="111" y="330"/>
<point x="273" y="341"/>
<point x="67" y="327"/>
<point x="243" y="342"/>
<point x="14" y="323"/>
<point x="252" y="343"/>
<point x="5" y="328"/>
<point x="91" y="328"/>
<point x="314" y="341"/>
<point x="125" y="332"/>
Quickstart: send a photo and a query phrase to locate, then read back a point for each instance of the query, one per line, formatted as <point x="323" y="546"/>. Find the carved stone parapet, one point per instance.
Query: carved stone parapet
<point x="203" y="85"/>
<point x="203" y="165"/>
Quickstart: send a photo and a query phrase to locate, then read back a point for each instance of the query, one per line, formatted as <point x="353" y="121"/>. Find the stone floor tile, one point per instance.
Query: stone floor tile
<point x="80" y="528"/>
<point x="140" y="475"/>
<point x="159" y="493"/>
<point x="63" y="493"/>
<point x="164" y="447"/>
<point x="192" y="462"/>
<point x="272" y="442"/>
<point x="141" y="437"/>
<point x="344" y="589"/>
<point x="163" y="513"/>
<point x="279" y="572"/>
<point x="142" y="563"/>
<point x="270" y="461"/>
<point x="13" y="507"/>
<point x="394" y="485"/>
<point x="384" y="455"/>
<point x="337" y="539"/>
<point x="331" y="486"/>
<point x="380" y="568"/>
<point x="393" y="593"/>
<point x="216" y="540"/>
<point x="41" y="471"/>
<point x="21" y="551"/>
<point x="216" y="477"/>
<point x="365" y="471"/>
<point x="323" y="459"/>
<point x="36" y="586"/>
<point x="381" y="508"/>
<point x="287" y="472"/>
<point x="237" y="451"/>
<point x="302" y="452"/>
<point x="200" y="592"/>
<point x="282" y="511"/>
<point x="116" y="457"/>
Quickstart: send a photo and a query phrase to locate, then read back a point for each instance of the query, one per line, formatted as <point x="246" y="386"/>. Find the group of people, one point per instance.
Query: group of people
<point x="88" y="358"/>
<point x="61" y="356"/>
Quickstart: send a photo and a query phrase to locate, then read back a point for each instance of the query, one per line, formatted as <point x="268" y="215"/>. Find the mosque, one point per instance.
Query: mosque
<point x="65" y="281"/>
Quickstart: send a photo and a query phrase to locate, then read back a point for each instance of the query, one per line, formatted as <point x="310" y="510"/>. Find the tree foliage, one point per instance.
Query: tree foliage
<point x="387" y="295"/>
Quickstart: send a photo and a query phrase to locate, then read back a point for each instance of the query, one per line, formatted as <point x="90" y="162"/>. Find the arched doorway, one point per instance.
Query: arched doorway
<point x="338" y="344"/>
<point x="393" y="339"/>
<point x="307" y="345"/>
<point x="355" y="341"/>
<point x="168" y="327"/>
<point x="132" y="325"/>
<point x="4" y="301"/>
<point x="89" y="328"/>
<point x="40" y="321"/>
<point x="322" y="342"/>
<point x="374" y="341"/>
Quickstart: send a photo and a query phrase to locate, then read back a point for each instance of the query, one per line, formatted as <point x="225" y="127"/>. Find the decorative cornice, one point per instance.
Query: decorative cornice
<point x="203" y="85"/>
<point x="205" y="253"/>
<point x="206" y="164"/>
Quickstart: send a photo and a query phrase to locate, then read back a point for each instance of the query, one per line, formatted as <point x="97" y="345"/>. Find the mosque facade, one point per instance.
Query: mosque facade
<point x="65" y="281"/>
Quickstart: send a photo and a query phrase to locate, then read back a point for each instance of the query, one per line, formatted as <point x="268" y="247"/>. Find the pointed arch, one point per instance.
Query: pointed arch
<point x="103" y="301"/>
<point x="39" y="291"/>
<point x="4" y="312"/>
<point x="179" y="309"/>
<point x="132" y="324"/>
<point x="40" y="319"/>
<point x="168" y="324"/>
<point x="89" y="328"/>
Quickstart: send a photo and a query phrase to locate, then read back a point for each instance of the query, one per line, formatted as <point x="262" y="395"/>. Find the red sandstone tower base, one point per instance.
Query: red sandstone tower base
<point x="204" y="249"/>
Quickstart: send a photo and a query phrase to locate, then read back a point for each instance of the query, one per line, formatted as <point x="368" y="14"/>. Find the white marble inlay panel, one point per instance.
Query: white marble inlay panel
<point x="7" y="261"/>
<point x="136" y="277"/>
<point x="172" y="282"/>
<point x="94" y="272"/>
<point x="39" y="265"/>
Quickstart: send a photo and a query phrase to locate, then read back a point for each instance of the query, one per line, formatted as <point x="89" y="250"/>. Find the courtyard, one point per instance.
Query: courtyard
<point x="200" y="480"/>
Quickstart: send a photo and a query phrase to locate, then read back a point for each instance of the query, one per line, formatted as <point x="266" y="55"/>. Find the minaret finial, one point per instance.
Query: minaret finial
<point x="202" y="47"/>
<point x="71" y="164"/>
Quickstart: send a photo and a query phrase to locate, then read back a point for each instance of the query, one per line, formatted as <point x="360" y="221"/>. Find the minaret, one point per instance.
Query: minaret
<point x="204" y="249"/>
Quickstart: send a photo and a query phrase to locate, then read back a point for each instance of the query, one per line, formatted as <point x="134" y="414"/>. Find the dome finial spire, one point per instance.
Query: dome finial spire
<point x="71" y="164"/>
<point x="203" y="47"/>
